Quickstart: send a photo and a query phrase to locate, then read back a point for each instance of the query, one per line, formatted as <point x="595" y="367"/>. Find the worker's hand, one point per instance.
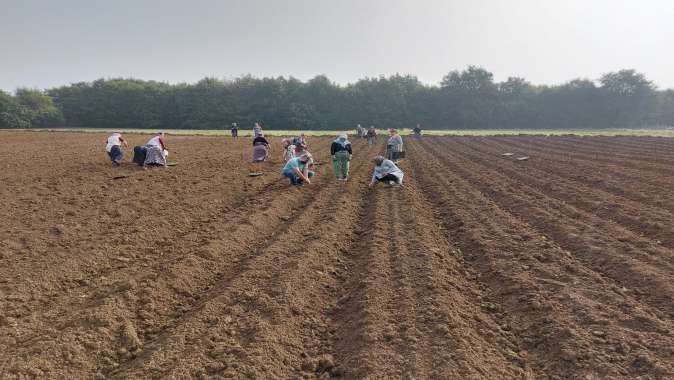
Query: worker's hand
<point x="334" y="158"/>
<point x="370" y="184"/>
<point x="350" y="157"/>
<point x="308" y="181"/>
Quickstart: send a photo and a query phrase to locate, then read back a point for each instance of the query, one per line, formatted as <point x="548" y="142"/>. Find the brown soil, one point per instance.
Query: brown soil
<point x="480" y="267"/>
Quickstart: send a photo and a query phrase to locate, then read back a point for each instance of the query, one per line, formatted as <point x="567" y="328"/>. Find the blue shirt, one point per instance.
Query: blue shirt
<point x="292" y="164"/>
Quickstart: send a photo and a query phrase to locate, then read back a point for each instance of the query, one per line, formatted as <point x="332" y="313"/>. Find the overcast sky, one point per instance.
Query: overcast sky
<point x="45" y="43"/>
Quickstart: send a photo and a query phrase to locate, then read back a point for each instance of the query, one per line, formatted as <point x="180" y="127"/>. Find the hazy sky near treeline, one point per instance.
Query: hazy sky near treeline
<point x="46" y="43"/>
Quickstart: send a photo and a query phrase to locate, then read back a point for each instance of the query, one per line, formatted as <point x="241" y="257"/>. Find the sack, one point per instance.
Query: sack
<point x="139" y="153"/>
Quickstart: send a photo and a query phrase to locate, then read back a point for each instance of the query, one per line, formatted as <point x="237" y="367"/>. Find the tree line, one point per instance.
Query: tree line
<point x="466" y="99"/>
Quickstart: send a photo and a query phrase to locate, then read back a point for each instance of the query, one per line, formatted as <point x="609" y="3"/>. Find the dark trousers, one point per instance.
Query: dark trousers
<point x="116" y="154"/>
<point x="388" y="177"/>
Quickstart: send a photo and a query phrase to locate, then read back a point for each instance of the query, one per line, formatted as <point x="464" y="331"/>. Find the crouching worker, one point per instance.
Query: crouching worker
<point x="297" y="170"/>
<point x="156" y="152"/>
<point x="386" y="171"/>
<point x="114" y="148"/>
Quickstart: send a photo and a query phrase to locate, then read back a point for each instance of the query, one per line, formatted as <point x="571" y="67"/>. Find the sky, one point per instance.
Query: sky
<point x="48" y="43"/>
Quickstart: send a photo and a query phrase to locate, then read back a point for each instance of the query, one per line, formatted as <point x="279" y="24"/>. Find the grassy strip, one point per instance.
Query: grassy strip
<point x="664" y="132"/>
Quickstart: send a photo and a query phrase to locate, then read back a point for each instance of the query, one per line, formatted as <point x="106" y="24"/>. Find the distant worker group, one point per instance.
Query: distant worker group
<point x="153" y="153"/>
<point x="295" y="153"/>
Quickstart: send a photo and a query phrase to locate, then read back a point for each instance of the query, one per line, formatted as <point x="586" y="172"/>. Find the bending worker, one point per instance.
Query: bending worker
<point x="114" y="148"/>
<point x="386" y="171"/>
<point x="297" y="170"/>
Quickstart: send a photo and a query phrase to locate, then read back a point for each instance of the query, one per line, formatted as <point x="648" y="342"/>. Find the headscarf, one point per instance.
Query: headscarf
<point x="378" y="160"/>
<point x="340" y="142"/>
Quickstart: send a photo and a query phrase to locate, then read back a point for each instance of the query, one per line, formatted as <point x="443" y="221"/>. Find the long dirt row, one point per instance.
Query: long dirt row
<point x="631" y="184"/>
<point x="572" y="318"/>
<point x="611" y="250"/>
<point x="595" y="202"/>
<point x="151" y="285"/>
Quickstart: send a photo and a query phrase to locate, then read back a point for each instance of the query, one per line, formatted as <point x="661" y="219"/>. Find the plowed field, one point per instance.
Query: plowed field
<point x="481" y="266"/>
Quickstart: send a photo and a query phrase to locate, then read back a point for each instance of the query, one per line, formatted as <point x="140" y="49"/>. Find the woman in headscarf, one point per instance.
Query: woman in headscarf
<point x="260" y="148"/>
<point x="394" y="145"/>
<point x="341" y="155"/>
<point x="156" y="151"/>
<point x="297" y="170"/>
<point x="386" y="171"/>
<point x="257" y="130"/>
<point x="301" y="146"/>
<point x="235" y="130"/>
<point x="114" y="148"/>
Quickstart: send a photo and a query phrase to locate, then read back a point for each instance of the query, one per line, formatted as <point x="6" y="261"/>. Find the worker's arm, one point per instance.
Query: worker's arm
<point x="305" y="173"/>
<point x="302" y="174"/>
<point x="373" y="181"/>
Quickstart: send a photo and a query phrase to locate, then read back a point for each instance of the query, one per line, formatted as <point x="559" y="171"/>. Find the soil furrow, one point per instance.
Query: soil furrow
<point x="149" y="289"/>
<point x="595" y="202"/>
<point x="581" y="234"/>
<point x="274" y="335"/>
<point x="595" y="175"/>
<point x="640" y="147"/>
<point x="146" y="268"/>
<point x="556" y="304"/>
<point x="479" y="267"/>
<point x="566" y="159"/>
<point x="629" y="163"/>
<point x="460" y="338"/>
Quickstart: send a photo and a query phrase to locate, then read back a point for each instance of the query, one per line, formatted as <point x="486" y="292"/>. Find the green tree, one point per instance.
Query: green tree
<point x="12" y="113"/>
<point x="43" y="112"/>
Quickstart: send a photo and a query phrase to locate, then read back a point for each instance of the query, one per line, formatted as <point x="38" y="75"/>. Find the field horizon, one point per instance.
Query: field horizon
<point x="655" y="132"/>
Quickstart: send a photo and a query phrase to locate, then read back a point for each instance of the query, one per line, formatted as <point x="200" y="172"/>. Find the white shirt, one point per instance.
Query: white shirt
<point x="113" y="140"/>
<point x="154" y="141"/>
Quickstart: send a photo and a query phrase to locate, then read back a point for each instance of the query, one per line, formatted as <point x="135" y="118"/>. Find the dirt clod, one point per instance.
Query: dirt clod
<point x="130" y="338"/>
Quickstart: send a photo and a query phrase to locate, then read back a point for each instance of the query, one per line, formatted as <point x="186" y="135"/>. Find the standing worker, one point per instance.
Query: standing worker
<point x="417" y="132"/>
<point x="341" y="155"/>
<point x="394" y="146"/>
<point x="114" y="148"/>
<point x="235" y="130"/>
<point x="257" y="130"/>
<point x="371" y="135"/>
